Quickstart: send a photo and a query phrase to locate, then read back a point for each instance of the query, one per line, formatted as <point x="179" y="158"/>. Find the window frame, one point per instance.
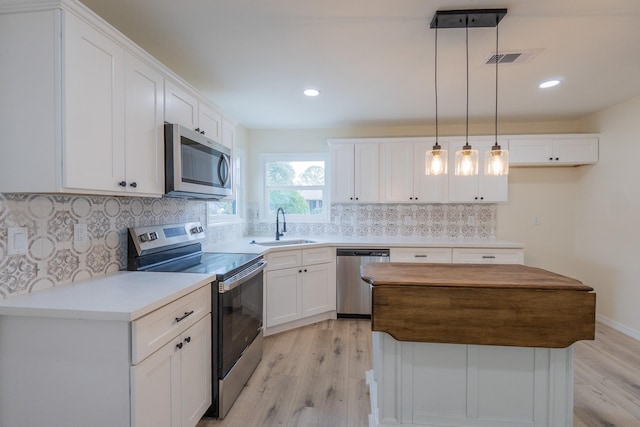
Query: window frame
<point x="265" y="158"/>
<point x="239" y="186"/>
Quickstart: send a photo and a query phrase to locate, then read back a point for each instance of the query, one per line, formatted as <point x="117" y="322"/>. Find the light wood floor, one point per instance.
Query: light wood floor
<point x="314" y="376"/>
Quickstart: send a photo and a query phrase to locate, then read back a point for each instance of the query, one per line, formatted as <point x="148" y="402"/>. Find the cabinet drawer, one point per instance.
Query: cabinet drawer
<point x="283" y="259"/>
<point x="426" y="255"/>
<point x="488" y="256"/>
<point x="157" y="328"/>
<point x="318" y="256"/>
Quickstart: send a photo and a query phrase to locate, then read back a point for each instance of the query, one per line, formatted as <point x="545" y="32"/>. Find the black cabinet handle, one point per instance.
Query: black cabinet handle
<point x="410" y="198"/>
<point x="481" y="198"/>
<point x="202" y="132"/>
<point x="357" y="198"/>
<point x="557" y="158"/>
<point x="133" y="184"/>
<point x="299" y="271"/>
<point x="187" y="339"/>
<point x="179" y="345"/>
<point x="186" y="314"/>
<point x="550" y="158"/>
<point x="122" y="183"/>
<point x="475" y="198"/>
<point x="198" y="130"/>
<point x="305" y="270"/>
<point x="350" y="198"/>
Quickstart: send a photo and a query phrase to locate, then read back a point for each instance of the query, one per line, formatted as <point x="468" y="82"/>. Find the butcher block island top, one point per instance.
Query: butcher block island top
<point x="485" y="304"/>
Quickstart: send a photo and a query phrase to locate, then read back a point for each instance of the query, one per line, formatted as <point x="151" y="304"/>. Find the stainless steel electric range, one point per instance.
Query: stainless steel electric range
<point x="237" y="298"/>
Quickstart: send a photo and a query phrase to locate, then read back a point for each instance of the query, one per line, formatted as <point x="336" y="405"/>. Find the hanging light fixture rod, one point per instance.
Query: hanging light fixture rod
<point x="473" y="18"/>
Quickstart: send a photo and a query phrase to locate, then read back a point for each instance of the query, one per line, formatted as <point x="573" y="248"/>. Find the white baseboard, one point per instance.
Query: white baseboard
<point x="633" y="333"/>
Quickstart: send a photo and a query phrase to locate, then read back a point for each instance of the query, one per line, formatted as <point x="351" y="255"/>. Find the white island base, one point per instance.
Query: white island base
<point x="429" y="384"/>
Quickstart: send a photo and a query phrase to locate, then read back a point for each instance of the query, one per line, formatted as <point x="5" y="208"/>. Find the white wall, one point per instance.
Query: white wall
<point x="607" y="243"/>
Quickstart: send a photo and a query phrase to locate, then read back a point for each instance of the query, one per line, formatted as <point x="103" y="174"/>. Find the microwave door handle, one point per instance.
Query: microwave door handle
<point x="225" y="178"/>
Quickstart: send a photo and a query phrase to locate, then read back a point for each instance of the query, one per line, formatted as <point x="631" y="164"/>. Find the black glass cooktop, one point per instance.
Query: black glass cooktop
<point x="223" y="265"/>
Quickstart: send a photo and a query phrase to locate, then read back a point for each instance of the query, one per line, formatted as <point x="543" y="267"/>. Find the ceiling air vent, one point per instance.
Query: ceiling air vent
<point x="513" y="57"/>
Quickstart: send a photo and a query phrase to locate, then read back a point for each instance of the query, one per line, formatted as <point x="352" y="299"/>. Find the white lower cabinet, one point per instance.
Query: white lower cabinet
<point x="172" y="387"/>
<point x="427" y="255"/>
<point x="300" y="288"/>
<point x="69" y="372"/>
<point x="487" y="256"/>
<point x="431" y="384"/>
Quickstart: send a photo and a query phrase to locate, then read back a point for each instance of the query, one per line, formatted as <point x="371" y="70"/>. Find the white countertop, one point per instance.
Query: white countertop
<point x="121" y="296"/>
<point x="244" y="245"/>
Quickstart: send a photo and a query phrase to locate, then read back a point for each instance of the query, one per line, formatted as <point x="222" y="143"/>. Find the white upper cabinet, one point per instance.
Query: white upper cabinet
<point x="183" y="107"/>
<point x="355" y="170"/>
<point x="144" y="130"/>
<point x="478" y="188"/>
<point x="91" y="110"/>
<point x="93" y="86"/>
<point x="553" y="150"/>
<point x="404" y="178"/>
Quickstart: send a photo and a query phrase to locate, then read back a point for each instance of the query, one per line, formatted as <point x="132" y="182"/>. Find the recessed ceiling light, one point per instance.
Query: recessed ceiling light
<point x="311" y="92"/>
<point x="549" y="83"/>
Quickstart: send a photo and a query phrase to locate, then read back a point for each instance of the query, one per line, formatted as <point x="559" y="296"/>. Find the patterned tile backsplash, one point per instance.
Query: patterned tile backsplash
<point x="53" y="258"/>
<point x="468" y="221"/>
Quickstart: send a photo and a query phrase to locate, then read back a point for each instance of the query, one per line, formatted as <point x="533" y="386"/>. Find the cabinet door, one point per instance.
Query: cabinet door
<point x="283" y="295"/>
<point x="575" y="151"/>
<point x="318" y="289"/>
<point x="144" y="102"/>
<point x="180" y="106"/>
<point x="196" y="372"/>
<point x="93" y="87"/>
<point x="530" y="151"/>
<point x="155" y="391"/>
<point x="428" y="188"/>
<point x="342" y="165"/>
<point x="366" y="173"/>
<point x="477" y="188"/>
<point x="398" y="171"/>
<point x="228" y="133"/>
<point x="210" y="122"/>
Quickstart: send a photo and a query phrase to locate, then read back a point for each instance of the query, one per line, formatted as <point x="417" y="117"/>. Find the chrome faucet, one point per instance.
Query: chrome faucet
<point x="284" y="224"/>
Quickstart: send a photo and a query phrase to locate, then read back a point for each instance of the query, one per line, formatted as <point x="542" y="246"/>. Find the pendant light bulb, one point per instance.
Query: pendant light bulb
<point x="436" y="161"/>
<point x="466" y="161"/>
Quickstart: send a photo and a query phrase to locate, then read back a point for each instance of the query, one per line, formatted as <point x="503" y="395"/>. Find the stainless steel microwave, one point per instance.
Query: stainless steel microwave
<point x="195" y="166"/>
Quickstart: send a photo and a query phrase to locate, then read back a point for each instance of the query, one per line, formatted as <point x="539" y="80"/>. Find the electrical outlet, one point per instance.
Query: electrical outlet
<point x="471" y="220"/>
<point x="17" y="240"/>
<point x="407" y="220"/>
<point x="535" y="220"/>
<point x="80" y="234"/>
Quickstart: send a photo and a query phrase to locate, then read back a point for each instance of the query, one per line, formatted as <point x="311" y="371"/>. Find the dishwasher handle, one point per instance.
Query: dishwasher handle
<point x="363" y="252"/>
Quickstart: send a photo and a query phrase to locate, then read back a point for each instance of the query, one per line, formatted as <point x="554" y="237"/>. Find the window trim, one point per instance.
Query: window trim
<point x="239" y="216"/>
<point x="265" y="158"/>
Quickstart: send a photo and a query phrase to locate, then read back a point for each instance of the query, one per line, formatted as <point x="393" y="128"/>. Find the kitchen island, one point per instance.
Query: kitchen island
<point x="474" y="345"/>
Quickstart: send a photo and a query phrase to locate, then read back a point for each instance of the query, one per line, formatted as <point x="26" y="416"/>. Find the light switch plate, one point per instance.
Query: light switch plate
<point x="17" y="240"/>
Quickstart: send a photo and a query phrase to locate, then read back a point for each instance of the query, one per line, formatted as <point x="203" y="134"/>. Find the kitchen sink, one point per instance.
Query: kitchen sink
<point x="284" y="242"/>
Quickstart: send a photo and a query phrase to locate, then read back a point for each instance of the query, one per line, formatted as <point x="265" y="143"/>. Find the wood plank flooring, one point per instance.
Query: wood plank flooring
<point x="314" y="376"/>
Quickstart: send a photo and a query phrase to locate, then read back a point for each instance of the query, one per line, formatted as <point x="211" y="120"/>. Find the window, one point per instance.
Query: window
<point x="230" y="209"/>
<point x="298" y="183"/>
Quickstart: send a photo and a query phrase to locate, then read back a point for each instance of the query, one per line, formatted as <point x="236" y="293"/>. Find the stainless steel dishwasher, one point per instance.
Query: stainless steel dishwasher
<point x="353" y="294"/>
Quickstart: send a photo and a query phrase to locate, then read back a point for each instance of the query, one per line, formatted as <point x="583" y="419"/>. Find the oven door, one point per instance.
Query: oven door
<point x="239" y="315"/>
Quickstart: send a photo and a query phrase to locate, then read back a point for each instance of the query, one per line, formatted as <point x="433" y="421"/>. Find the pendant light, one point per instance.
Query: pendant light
<point x="496" y="161"/>
<point x="437" y="158"/>
<point x="466" y="159"/>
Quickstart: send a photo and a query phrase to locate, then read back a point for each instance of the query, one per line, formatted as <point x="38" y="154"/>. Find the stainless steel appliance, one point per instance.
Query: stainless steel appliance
<point x="195" y="166"/>
<point x="237" y="298"/>
<point x="354" y="295"/>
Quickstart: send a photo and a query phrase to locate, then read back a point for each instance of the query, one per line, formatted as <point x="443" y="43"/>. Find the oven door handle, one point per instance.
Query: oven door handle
<point x="242" y="277"/>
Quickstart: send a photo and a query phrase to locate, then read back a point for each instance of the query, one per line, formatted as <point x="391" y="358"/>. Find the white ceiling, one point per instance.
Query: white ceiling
<point x="373" y="60"/>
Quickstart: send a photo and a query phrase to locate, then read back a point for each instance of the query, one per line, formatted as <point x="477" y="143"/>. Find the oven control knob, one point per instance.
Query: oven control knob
<point x="144" y="237"/>
<point x="196" y="230"/>
<point x="153" y="236"/>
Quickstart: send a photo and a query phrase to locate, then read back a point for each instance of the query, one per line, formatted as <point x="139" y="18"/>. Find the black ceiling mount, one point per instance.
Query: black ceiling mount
<point x="467" y="18"/>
